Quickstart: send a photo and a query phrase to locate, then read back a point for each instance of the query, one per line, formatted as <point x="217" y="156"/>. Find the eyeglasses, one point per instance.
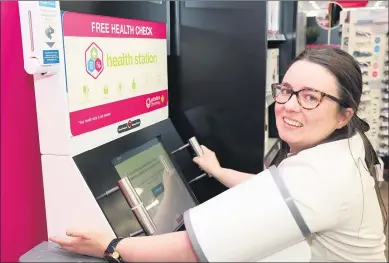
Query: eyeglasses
<point x="307" y="98"/>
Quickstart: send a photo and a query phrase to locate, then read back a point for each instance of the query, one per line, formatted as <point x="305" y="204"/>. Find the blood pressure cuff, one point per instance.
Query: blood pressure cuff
<point x="249" y="222"/>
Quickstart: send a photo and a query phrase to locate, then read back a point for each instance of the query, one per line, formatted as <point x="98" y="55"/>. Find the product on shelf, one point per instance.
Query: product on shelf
<point x="272" y="68"/>
<point x="273" y="17"/>
<point x="272" y="76"/>
<point x="383" y="149"/>
<point x="365" y="37"/>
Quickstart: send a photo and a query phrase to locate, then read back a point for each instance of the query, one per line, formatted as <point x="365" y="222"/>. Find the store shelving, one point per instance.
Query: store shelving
<point x="364" y="35"/>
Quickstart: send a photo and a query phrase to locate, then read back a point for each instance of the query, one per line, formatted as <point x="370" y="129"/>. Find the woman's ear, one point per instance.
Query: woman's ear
<point x="345" y="117"/>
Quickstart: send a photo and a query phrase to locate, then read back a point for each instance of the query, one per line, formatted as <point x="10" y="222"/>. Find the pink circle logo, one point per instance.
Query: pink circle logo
<point x="98" y="64"/>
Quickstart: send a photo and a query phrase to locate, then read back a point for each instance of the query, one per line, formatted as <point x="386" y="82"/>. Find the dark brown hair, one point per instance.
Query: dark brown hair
<point x="349" y="77"/>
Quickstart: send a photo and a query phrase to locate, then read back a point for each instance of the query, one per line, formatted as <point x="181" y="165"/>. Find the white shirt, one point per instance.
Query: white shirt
<point x="337" y="199"/>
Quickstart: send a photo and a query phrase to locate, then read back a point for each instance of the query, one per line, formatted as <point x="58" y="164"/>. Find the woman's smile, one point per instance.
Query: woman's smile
<point x="292" y="123"/>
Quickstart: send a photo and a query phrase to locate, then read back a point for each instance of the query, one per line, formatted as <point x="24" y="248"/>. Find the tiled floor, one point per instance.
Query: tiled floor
<point x="385" y="196"/>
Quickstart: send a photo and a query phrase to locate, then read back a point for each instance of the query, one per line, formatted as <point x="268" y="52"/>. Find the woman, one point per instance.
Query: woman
<point x="326" y="162"/>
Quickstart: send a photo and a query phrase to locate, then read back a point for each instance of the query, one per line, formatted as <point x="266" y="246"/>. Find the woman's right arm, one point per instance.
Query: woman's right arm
<point x="231" y="178"/>
<point x="172" y="247"/>
<point x="209" y="164"/>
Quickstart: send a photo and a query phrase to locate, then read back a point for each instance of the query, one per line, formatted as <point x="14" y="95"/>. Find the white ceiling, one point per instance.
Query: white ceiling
<point x="311" y="8"/>
<point x="378" y="3"/>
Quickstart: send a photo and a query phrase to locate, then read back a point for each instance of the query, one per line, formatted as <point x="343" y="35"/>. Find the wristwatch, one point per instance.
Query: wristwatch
<point x="111" y="255"/>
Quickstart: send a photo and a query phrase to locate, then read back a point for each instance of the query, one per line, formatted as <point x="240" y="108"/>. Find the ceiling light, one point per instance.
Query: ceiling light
<point x="312" y="13"/>
<point x="316" y="6"/>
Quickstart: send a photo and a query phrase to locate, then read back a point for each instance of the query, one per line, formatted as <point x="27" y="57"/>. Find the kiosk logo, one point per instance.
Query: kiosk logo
<point x="94" y="60"/>
<point x="154" y="101"/>
<point x="131" y="124"/>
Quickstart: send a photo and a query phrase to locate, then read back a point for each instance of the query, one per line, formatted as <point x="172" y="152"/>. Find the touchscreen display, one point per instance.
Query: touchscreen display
<point x="157" y="183"/>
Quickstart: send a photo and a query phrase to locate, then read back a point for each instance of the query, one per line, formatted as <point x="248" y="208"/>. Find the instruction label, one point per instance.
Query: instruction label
<point x="48" y="32"/>
<point x="116" y="70"/>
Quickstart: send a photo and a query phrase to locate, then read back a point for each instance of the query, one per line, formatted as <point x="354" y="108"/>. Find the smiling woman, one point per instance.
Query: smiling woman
<point x="300" y="122"/>
<point x="326" y="163"/>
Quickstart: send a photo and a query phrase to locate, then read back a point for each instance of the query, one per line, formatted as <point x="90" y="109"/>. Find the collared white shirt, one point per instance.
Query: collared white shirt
<point x="336" y="196"/>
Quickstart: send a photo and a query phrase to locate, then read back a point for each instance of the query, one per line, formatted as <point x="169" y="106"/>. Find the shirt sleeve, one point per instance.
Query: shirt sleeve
<point x="314" y="193"/>
<point x="252" y="220"/>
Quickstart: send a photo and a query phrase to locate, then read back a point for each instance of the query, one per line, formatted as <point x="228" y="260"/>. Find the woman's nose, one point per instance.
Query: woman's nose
<point x="292" y="104"/>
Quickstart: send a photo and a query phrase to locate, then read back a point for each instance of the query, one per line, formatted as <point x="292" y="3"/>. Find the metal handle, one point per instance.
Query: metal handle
<point x="137" y="206"/>
<point x="198" y="151"/>
<point x="196" y="146"/>
<point x="145" y="220"/>
<point x="136" y="233"/>
<point x="107" y="193"/>
<point x="129" y="192"/>
<point x="199" y="177"/>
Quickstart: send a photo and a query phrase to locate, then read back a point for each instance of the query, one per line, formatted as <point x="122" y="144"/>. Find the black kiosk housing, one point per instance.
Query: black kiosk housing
<point x="216" y="77"/>
<point x="98" y="169"/>
<point x="217" y="89"/>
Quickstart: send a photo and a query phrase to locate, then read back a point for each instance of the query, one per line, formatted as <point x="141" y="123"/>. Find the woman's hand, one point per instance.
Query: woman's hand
<point x="85" y="242"/>
<point x="208" y="162"/>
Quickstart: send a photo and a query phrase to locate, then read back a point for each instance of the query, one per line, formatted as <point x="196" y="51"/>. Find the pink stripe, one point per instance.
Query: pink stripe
<point x="23" y="215"/>
<point x="94" y="118"/>
<point x="85" y="25"/>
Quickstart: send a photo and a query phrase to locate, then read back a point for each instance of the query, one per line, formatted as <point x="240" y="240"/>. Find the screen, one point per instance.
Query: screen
<point x="158" y="184"/>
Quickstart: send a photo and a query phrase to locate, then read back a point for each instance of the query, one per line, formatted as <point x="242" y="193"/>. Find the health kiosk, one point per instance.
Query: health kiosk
<point x="112" y="159"/>
<point x="105" y="136"/>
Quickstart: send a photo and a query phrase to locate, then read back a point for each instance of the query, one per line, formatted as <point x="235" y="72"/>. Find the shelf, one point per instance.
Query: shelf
<point x="275" y="37"/>
<point x="269" y="144"/>
<point x="269" y="100"/>
<point x="271" y="148"/>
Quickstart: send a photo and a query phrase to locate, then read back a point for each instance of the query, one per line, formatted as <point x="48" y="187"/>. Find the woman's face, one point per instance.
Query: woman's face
<point x="301" y="128"/>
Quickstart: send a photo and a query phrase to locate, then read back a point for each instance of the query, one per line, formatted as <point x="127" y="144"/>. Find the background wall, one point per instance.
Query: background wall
<point x="23" y="223"/>
<point x="323" y="37"/>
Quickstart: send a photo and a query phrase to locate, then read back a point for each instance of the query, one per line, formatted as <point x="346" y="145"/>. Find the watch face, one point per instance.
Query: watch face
<point x="115" y="255"/>
<point x="111" y="258"/>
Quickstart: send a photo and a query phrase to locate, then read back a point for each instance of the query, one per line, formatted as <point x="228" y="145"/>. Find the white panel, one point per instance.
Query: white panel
<point x="69" y="202"/>
<point x="90" y="140"/>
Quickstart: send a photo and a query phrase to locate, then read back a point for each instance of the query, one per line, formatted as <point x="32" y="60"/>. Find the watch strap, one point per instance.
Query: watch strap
<point x="112" y="245"/>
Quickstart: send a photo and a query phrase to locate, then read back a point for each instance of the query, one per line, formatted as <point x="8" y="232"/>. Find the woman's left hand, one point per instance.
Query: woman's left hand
<point x="85" y="242"/>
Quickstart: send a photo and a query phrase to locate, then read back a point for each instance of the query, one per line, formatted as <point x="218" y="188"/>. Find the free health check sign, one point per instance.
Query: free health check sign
<point x="116" y="69"/>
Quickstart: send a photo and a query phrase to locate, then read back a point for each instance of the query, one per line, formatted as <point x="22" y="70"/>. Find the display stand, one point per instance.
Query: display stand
<point x="383" y="149"/>
<point x="364" y="35"/>
<point x="274" y="39"/>
<point x="282" y="20"/>
<point x="272" y="76"/>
